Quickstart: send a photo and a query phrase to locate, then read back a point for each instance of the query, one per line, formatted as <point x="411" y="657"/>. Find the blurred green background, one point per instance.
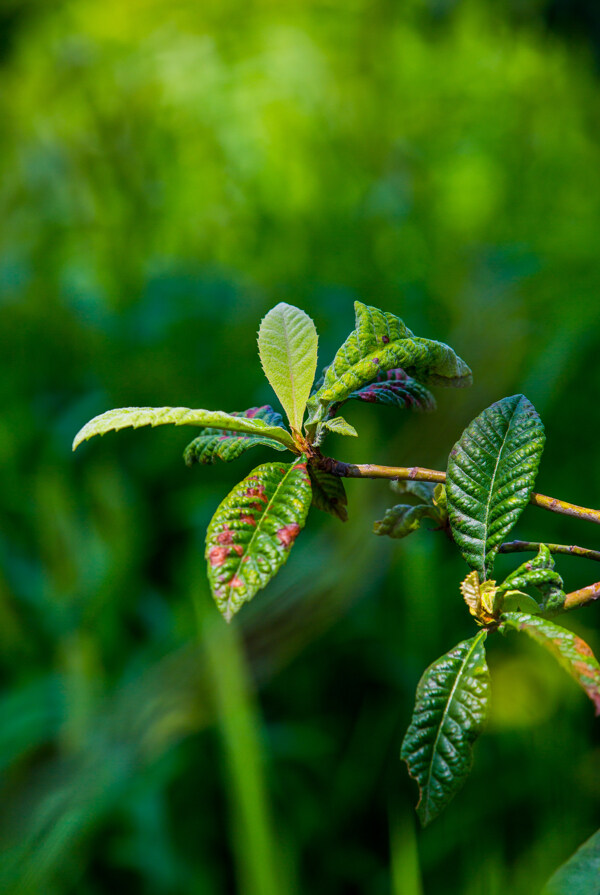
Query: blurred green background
<point x="170" y="170"/>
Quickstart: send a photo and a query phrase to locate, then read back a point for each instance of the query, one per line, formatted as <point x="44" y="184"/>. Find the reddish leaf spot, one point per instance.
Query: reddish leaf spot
<point x="226" y="536"/>
<point x="385" y="340"/>
<point x="217" y="555"/>
<point x="288" y="534"/>
<point x="582" y="647"/>
<point x="238" y="549"/>
<point x="236" y="582"/>
<point x="251" y="413"/>
<point x="248" y="520"/>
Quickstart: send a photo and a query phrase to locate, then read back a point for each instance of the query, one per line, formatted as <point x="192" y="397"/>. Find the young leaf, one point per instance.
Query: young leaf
<point x="491" y="473"/>
<point x="403" y="519"/>
<point x="539" y="573"/>
<point x="480" y="597"/>
<point x="250" y="536"/>
<point x="450" y="711"/>
<point x="287" y="344"/>
<point x="227" y="445"/>
<point x="396" y="389"/>
<point x="581" y="873"/>
<point x="134" y="417"/>
<point x="382" y="342"/>
<point x="329" y="493"/>
<point x="571" y="651"/>
<point x="339" y="425"/>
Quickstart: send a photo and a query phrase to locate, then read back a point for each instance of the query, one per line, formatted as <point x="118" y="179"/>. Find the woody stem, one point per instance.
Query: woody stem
<point x="420" y="474"/>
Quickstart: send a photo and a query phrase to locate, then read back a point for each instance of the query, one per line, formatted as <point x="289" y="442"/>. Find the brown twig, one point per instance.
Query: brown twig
<point x="420" y="474"/>
<point x="534" y="546"/>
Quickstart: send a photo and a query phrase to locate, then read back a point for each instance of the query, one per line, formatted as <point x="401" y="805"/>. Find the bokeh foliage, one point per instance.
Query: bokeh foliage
<point x="169" y="172"/>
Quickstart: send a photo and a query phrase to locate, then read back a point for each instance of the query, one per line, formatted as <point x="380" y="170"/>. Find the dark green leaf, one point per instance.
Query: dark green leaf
<point x="491" y="473"/>
<point x="340" y="426"/>
<point x="571" y="651"/>
<point x="396" y="389"/>
<point x="329" y="493"/>
<point x="227" y="444"/>
<point x="382" y="342"/>
<point x="581" y="874"/>
<point x="250" y="535"/>
<point x="450" y="711"/>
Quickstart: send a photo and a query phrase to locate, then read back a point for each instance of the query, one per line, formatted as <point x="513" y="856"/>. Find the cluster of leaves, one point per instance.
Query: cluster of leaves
<point x="489" y="481"/>
<point x="254" y="528"/>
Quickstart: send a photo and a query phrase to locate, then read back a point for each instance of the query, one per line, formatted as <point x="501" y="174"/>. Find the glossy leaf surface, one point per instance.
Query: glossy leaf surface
<point x="490" y="477"/>
<point x="450" y="711"/>
<point x="571" y="651"/>
<point x="329" y="494"/>
<point x="382" y="342"/>
<point x="251" y="534"/>
<point x="581" y="873"/>
<point x="227" y="445"/>
<point x="135" y="417"/>
<point x="287" y="344"/>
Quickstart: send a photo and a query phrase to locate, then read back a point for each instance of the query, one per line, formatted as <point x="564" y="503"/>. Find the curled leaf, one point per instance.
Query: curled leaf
<point x="539" y="573"/>
<point x="382" y="342"/>
<point x="402" y="519"/>
<point x="134" y="417"/>
<point x="227" y="445"/>
<point x="396" y="389"/>
<point x="250" y="536"/>
<point x="480" y="597"/>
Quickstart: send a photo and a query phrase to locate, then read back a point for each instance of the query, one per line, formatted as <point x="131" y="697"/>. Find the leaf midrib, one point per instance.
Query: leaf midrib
<point x="475" y="643"/>
<point x="492" y="482"/>
<point x="256" y="531"/>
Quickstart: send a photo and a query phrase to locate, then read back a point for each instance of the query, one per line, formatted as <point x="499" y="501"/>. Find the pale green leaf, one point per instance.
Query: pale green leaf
<point x="490" y="477"/>
<point x="340" y="426"/>
<point x="450" y="712"/>
<point x="134" y="417"/>
<point x="287" y="344"/>
<point x="251" y="534"/>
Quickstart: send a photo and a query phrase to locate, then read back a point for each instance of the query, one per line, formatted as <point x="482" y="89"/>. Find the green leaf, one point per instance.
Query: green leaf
<point x="339" y="425"/>
<point x="402" y="519"/>
<point x="581" y="873"/>
<point x="539" y="573"/>
<point x="396" y="389"/>
<point x="329" y="493"/>
<point x="134" y="417"/>
<point x="490" y="477"/>
<point x="287" y="344"/>
<point x="450" y="711"/>
<point x="251" y="534"/>
<point x="227" y="445"/>
<point x="568" y="649"/>
<point x="382" y="342"/>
